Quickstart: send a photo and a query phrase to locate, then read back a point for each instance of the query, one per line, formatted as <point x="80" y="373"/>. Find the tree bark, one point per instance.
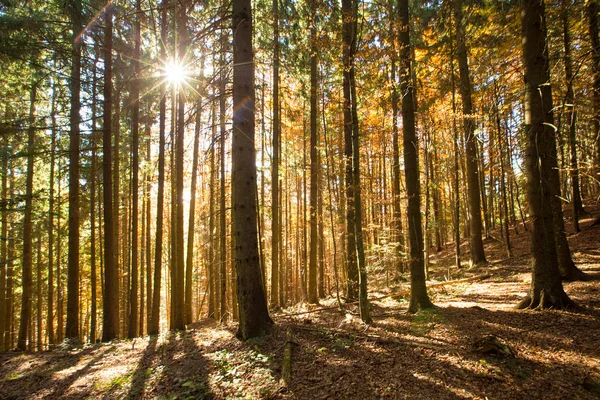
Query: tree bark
<point x="592" y="12"/>
<point x="418" y="294"/>
<point x="254" y="317"/>
<point x="546" y="286"/>
<point x="275" y="229"/>
<point x="110" y="320"/>
<point x="27" y="263"/>
<point x="72" y="328"/>
<point x="476" y="242"/>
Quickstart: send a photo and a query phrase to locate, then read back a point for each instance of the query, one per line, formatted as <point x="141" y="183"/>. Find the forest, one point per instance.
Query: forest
<point x="299" y="199"/>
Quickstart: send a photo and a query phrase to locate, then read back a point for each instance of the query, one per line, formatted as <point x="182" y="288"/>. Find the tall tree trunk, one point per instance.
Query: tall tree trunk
<point x="476" y="242"/>
<point x="418" y="291"/>
<point x="135" y="160"/>
<point x="456" y="181"/>
<point x="93" y="168"/>
<point x="314" y="143"/>
<point x="275" y="229"/>
<point x="253" y="314"/>
<point x="546" y="286"/>
<point x="110" y="320"/>
<point x="189" y="267"/>
<point x="4" y="243"/>
<point x="222" y="197"/>
<point x="38" y="287"/>
<point x="592" y="12"/>
<point x="27" y="262"/>
<point x="72" y="329"/>
<point x="348" y="52"/>
<point x="571" y="116"/>
<point x="154" y="322"/>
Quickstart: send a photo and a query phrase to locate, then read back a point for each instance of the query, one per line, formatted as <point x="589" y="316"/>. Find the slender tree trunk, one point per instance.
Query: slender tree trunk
<point x="72" y="329"/>
<point x="222" y="197"/>
<point x="275" y="229"/>
<point x="592" y="12"/>
<point x="476" y="242"/>
<point x="27" y="263"/>
<point x="418" y="297"/>
<point x="351" y="261"/>
<point x="110" y="320"/>
<point x="38" y="287"/>
<point x="571" y="117"/>
<point x="4" y="244"/>
<point x="135" y="139"/>
<point x="93" y="168"/>
<point x="314" y="143"/>
<point x="154" y="322"/>
<point x="254" y="318"/>
<point x="192" y="217"/>
<point x="456" y="182"/>
<point x="546" y="286"/>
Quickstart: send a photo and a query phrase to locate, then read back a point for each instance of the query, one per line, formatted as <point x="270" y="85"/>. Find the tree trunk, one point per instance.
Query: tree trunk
<point x="571" y="117"/>
<point x="27" y="263"/>
<point x="275" y="229"/>
<point x="135" y="138"/>
<point x="476" y="242"/>
<point x="592" y="12"/>
<point x="72" y="329"/>
<point x="418" y="296"/>
<point x="222" y="196"/>
<point x="189" y="267"/>
<point x="546" y="286"/>
<point x="254" y="318"/>
<point x="314" y="143"/>
<point x="92" y="178"/>
<point x="110" y="320"/>
<point x="4" y="241"/>
<point x="351" y="261"/>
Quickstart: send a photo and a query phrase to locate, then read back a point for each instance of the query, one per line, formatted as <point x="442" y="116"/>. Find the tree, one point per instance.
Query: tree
<point x="592" y="12"/>
<point x="135" y="160"/>
<point x="546" y="286"/>
<point x="27" y="264"/>
<point x="72" y="328"/>
<point x="254" y="317"/>
<point x="476" y="242"/>
<point x="275" y="229"/>
<point x="314" y="166"/>
<point x="110" y="312"/>
<point x="418" y="291"/>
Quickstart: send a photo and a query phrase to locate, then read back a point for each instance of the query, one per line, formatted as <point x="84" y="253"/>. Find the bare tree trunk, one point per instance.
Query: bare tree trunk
<point x="254" y="318"/>
<point x="110" y="320"/>
<point x="476" y="242"/>
<point x="314" y="143"/>
<point x="27" y="263"/>
<point x="592" y="12"/>
<point x="546" y="286"/>
<point x="418" y="297"/>
<point x="135" y="137"/>
<point x="4" y="242"/>
<point x="72" y="329"/>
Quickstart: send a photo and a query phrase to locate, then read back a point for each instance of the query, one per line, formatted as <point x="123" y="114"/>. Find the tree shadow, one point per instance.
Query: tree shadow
<point x="143" y="370"/>
<point x="181" y="367"/>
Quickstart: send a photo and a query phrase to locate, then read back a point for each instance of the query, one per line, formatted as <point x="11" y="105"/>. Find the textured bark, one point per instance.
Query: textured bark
<point x="4" y="243"/>
<point x="93" y="178"/>
<point x="189" y="263"/>
<point x="418" y="293"/>
<point x="592" y="12"/>
<point x="275" y="228"/>
<point x="571" y="117"/>
<point x="27" y="263"/>
<point x="546" y="285"/>
<point x="476" y="242"/>
<point x="72" y="328"/>
<point x="135" y="146"/>
<point x="314" y="166"/>
<point x="110" y="320"/>
<point x="351" y="261"/>
<point x="254" y="318"/>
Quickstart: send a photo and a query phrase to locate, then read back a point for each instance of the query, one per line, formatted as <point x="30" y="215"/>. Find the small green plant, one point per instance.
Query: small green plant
<point x="195" y="390"/>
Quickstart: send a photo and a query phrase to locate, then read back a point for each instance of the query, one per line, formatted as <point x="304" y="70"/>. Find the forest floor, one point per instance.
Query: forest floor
<point x="474" y="344"/>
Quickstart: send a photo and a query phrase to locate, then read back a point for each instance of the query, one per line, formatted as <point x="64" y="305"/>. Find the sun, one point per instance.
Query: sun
<point x="175" y="73"/>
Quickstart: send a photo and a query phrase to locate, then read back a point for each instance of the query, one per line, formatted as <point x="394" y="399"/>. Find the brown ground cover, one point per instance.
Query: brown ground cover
<point x="474" y="345"/>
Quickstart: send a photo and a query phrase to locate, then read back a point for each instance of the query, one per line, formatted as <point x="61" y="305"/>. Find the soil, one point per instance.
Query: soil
<point x="473" y="345"/>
